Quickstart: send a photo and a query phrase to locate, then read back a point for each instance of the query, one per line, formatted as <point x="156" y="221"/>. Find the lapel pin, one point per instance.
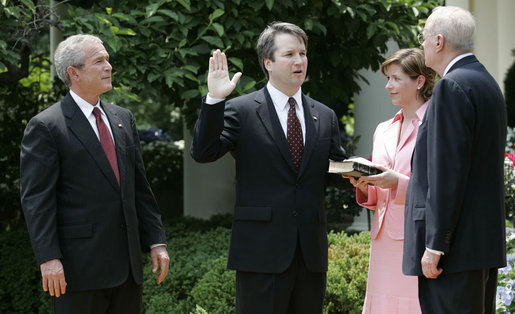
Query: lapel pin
<point x="119" y="125"/>
<point x="315" y="118"/>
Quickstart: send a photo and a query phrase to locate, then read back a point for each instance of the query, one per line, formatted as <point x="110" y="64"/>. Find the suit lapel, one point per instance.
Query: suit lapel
<point x="117" y="128"/>
<point x="266" y="112"/>
<point x="80" y="127"/>
<point x="312" y="124"/>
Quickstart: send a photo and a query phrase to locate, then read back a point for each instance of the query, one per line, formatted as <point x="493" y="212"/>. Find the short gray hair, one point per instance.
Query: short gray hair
<point x="266" y="42"/>
<point x="457" y="25"/>
<point x="70" y="53"/>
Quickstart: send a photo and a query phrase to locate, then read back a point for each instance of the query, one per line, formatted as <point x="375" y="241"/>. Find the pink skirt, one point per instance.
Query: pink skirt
<point x="388" y="290"/>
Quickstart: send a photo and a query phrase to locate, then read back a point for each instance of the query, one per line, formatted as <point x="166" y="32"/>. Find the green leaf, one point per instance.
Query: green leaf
<point x="236" y="62"/>
<point x="192" y="93"/>
<point x="269" y="4"/>
<point x="213" y="41"/>
<point x="249" y="85"/>
<point x="371" y="30"/>
<point x="126" y="31"/>
<point x="29" y="4"/>
<point x="185" y="4"/>
<point x="152" y="9"/>
<point x="169" y="13"/>
<point x="191" y="68"/>
<point x="154" y="19"/>
<point x="219" y="29"/>
<point x="216" y="14"/>
<point x="152" y="76"/>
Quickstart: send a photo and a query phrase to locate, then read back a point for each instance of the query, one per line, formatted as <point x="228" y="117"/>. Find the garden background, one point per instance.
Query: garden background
<point x="159" y="52"/>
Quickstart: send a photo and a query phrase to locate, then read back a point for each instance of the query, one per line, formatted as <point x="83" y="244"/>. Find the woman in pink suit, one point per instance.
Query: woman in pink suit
<point x="410" y="84"/>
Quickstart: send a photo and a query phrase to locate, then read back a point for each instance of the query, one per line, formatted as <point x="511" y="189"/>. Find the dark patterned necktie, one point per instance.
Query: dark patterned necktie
<point x="294" y="134"/>
<point x="107" y="143"/>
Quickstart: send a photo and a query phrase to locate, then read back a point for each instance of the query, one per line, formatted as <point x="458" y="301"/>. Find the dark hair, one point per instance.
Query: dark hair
<point x="266" y="45"/>
<point x="412" y="63"/>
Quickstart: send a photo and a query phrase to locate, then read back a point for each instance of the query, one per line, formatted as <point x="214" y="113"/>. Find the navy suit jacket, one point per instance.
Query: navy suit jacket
<point x="455" y="197"/>
<point x="276" y="207"/>
<point x="74" y="208"/>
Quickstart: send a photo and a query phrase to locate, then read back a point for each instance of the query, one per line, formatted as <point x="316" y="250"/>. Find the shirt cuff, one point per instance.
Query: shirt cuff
<point x="211" y="101"/>
<point x="156" y="245"/>
<point x="435" y="251"/>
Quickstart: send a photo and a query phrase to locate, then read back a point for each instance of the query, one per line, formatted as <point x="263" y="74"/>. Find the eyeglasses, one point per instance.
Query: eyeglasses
<point x="421" y="38"/>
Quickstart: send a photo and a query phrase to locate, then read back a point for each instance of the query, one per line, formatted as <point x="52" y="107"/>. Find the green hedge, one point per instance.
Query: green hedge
<point x="197" y="282"/>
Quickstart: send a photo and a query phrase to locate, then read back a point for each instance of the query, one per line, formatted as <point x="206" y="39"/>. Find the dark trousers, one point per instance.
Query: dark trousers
<point x="471" y="292"/>
<point x="124" y="299"/>
<point x="297" y="290"/>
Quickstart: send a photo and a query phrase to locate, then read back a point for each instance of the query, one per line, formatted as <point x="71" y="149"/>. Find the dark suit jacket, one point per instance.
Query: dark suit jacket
<point x="275" y="205"/>
<point x="74" y="208"/>
<point x="455" y="198"/>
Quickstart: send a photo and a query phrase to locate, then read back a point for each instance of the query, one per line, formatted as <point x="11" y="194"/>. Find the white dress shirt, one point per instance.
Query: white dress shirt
<point x="281" y="105"/>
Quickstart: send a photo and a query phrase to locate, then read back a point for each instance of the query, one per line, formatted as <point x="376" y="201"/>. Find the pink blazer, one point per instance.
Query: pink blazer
<point x="395" y="154"/>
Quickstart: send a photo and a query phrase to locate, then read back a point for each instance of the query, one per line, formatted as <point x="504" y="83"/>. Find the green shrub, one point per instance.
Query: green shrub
<point x="215" y="291"/>
<point x="21" y="290"/>
<point x="346" y="278"/>
<point x="198" y="280"/>
<point x="347" y="273"/>
<point x="191" y="255"/>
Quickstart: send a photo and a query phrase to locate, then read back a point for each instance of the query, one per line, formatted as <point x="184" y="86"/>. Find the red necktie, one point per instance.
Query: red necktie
<point x="294" y="134"/>
<point x="107" y="143"/>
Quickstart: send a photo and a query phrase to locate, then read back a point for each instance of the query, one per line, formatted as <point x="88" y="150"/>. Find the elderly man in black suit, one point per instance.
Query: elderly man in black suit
<point x="282" y="141"/>
<point x="454" y="225"/>
<point x="87" y="203"/>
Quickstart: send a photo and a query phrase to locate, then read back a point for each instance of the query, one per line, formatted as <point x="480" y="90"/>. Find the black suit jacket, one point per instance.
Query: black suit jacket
<point x="455" y="198"/>
<point x="275" y="205"/>
<point x="74" y="208"/>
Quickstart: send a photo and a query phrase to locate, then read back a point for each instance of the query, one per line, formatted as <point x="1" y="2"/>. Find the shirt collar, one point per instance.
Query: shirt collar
<point x="453" y="62"/>
<point x="85" y="106"/>
<point x="420" y="113"/>
<point x="280" y="99"/>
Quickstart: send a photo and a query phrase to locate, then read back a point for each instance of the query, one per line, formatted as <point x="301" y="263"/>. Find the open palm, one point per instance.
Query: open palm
<point x="218" y="81"/>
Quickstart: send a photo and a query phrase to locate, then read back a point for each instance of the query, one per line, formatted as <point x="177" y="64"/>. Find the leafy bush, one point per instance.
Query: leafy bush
<point x="20" y="291"/>
<point x="506" y="279"/>
<point x="215" y="291"/>
<point x="347" y="273"/>
<point x="191" y="255"/>
<point x="346" y="278"/>
<point x="198" y="280"/>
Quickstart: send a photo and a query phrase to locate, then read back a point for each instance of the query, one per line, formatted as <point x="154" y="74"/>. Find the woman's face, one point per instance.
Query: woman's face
<point x="402" y="88"/>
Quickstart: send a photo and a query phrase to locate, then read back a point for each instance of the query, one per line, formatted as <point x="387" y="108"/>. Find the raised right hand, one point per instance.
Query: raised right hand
<point x="218" y="82"/>
<point x="52" y="273"/>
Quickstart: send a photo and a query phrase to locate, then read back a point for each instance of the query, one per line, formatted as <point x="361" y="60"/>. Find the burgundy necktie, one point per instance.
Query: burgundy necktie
<point x="107" y="143"/>
<point x="294" y="134"/>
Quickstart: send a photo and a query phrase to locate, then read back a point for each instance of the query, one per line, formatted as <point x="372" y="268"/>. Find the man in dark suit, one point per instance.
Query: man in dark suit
<point x="454" y="225"/>
<point x="279" y="241"/>
<point x="87" y="203"/>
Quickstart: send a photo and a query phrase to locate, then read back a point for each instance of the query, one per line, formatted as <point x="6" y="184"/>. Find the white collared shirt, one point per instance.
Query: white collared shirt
<point x="453" y="62"/>
<point x="87" y="109"/>
<point x="281" y="105"/>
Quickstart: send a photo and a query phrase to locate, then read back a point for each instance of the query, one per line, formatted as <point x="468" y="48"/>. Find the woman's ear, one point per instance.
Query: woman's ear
<point x="421" y="80"/>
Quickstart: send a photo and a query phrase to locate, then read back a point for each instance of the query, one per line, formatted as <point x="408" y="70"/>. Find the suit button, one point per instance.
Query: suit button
<point x="294" y="214"/>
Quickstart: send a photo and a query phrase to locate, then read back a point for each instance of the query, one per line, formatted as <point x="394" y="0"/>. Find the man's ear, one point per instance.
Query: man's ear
<point x="440" y="42"/>
<point x="268" y="64"/>
<point x="73" y="74"/>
